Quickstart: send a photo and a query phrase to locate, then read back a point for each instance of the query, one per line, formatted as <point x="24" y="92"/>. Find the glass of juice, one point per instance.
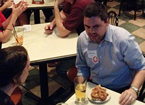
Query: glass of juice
<point x="80" y="84"/>
<point x="19" y="35"/>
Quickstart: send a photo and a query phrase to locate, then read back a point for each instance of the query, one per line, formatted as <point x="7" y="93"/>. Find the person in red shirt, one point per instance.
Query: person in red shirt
<point x="6" y="25"/>
<point x="70" y="18"/>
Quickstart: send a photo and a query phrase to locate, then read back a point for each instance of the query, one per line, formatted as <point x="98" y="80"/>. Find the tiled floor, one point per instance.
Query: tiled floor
<point x="136" y="27"/>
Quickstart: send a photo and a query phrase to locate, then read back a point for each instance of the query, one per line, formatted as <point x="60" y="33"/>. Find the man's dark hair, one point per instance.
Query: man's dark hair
<point x="96" y="9"/>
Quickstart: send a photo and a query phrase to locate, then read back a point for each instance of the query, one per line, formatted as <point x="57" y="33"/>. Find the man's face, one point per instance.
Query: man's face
<point x="95" y="28"/>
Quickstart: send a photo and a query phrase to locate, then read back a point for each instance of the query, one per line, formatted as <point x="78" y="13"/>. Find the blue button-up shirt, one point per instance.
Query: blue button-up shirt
<point x="111" y="63"/>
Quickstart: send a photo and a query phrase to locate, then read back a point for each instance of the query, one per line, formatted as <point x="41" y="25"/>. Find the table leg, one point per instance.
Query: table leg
<point x="44" y="83"/>
<point x="37" y="16"/>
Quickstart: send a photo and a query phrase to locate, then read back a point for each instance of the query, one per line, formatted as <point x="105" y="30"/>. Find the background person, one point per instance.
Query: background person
<point x="21" y="20"/>
<point x="109" y="55"/>
<point x="70" y="18"/>
<point x="7" y="24"/>
<point x="14" y="69"/>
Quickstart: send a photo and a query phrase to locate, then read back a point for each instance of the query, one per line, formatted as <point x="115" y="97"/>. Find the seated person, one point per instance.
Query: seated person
<point x="69" y="19"/>
<point x="14" y="69"/>
<point x="21" y="20"/>
<point x="109" y="55"/>
<point x="6" y="25"/>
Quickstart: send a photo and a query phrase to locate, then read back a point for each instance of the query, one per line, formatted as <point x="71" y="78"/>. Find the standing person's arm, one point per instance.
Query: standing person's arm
<point x="8" y="24"/>
<point x="59" y="19"/>
<point x="49" y="28"/>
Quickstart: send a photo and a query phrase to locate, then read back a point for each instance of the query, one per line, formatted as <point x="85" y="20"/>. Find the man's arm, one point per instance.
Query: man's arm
<point x="138" y="79"/>
<point x="63" y="32"/>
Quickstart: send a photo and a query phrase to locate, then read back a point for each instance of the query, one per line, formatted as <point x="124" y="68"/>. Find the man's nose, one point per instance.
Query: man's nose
<point x="92" y="30"/>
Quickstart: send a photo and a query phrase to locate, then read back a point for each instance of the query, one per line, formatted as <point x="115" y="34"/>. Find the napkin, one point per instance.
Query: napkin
<point x="27" y="28"/>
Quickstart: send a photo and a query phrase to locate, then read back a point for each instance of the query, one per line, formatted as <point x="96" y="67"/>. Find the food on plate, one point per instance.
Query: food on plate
<point x="99" y="93"/>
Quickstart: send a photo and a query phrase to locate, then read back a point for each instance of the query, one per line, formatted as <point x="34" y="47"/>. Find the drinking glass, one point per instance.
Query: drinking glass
<point x="80" y="84"/>
<point x="19" y="35"/>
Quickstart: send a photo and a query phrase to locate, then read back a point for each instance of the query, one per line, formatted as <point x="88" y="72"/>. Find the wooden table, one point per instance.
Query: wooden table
<point x="43" y="49"/>
<point x="114" y="97"/>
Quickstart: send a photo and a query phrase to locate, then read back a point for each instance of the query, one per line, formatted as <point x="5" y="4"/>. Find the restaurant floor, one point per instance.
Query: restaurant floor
<point x="136" y="27"/>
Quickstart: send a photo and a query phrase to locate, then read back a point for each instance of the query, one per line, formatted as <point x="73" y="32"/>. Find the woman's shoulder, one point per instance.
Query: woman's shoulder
<point x="5" y="99"/>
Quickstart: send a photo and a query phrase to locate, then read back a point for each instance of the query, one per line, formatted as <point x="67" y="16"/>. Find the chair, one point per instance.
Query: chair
<point x="135" y="6"/>
<point x="71" y="73"/>
<point x="113" y="18"/>
<point x="17" y="96"/>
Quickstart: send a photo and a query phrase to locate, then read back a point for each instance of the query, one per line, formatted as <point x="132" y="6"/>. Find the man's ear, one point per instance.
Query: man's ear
<point x="15" y="80"/>
<point x="107" y="20"/>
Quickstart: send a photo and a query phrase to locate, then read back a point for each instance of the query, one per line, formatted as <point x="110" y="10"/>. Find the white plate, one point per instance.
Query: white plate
<point x="98" y="101"/>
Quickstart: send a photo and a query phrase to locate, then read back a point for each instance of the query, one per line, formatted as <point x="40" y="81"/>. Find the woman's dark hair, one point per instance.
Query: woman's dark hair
<point x="96" y="9"/>
<point x="12" y="63"/>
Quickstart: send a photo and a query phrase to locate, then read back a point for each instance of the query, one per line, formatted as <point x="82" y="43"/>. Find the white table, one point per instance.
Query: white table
<point x="43" y="49"/>
<point x="36" y="7"/>
<point x="114" y="100"/>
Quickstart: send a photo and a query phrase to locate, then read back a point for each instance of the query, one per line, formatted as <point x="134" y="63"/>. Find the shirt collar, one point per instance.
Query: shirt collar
<point x="108" y="36"/>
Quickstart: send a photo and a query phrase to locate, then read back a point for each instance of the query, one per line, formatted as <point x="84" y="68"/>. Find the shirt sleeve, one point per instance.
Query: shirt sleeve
<point x="2" y="19"/>
<point x="83" y="69"/>
<point x="74" y="19"/>
<point x="133" y="55"/>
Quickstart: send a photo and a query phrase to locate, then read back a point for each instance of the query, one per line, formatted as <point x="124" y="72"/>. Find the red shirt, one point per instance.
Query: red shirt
<point x="74" y="19"/>
<point x="2" y="19"/>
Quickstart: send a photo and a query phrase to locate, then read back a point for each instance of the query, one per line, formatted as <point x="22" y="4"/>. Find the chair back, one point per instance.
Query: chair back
<point x="72" y="73"/>
<point x="113" y="18"/>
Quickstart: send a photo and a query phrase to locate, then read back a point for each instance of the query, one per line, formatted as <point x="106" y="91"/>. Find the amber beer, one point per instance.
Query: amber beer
<point x="80" y="92"/>
<point x="80" y="88"/>
<point x="19" y="40"/>
<point x="19" y="35"/>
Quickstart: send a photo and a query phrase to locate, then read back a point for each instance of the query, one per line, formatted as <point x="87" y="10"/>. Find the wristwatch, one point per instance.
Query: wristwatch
<point x="135" y="89"/>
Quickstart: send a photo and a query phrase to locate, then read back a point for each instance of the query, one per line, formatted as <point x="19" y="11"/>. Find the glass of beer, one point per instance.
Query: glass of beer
<point x="19" y="35"/>
<point x="80" y="84"/>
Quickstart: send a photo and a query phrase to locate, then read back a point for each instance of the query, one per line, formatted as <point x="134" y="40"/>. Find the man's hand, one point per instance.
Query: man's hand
<point x="58" y="2"/>
<point x="128" y="97"/>
<point x="49" y="28"/>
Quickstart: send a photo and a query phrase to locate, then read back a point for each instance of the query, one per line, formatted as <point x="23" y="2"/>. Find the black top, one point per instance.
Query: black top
<point x="5" y="99"/>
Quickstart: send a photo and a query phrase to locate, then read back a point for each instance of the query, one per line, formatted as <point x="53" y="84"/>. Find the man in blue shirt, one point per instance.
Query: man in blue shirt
<point x="109" y="55"/>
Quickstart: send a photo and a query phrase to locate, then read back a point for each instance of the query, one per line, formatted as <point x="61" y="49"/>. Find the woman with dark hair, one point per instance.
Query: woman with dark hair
<point x="14" y="69"/>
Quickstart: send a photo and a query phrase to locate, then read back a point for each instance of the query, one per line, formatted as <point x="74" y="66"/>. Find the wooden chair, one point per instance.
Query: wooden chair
<point x="71" y="73"/>
<point x="17" y="96"/>
<point x="135" y="6"/>
<point x="113" y="18"/>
